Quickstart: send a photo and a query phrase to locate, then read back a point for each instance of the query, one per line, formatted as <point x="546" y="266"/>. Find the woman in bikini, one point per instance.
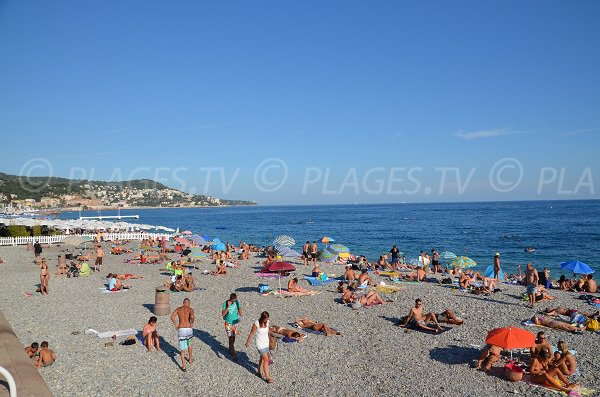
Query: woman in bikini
<point x="288" y="333"/>
<point x="540" y="372"/>
<point x="564" y="360"/>
<point x="549" y="322"/>
<point x="304" y="322"/>
<point x="293" y="286"/>
<point x="44" y="277"/>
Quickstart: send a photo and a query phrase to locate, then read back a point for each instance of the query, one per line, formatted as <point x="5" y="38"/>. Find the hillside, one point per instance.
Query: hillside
<point x="138" y="192"/>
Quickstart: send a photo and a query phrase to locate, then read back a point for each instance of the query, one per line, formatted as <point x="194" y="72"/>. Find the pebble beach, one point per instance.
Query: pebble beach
<point x="372" y="357"/>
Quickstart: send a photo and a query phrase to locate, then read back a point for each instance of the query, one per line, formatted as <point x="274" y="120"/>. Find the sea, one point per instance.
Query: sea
<point x="557" y="230"/>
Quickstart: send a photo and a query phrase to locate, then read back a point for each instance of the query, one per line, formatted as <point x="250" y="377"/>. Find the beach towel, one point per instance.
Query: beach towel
<point x="106" y="291"/>
<point x="290" y="294"/>
<point x="266" y="275"/>
<point x="110" y="334"/>
<point x="387" y="289"/>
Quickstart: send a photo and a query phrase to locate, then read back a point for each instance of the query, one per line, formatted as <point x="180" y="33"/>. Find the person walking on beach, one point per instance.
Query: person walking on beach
<point x="306" y="252"/>
<point x="261" y="329"/>
<point x="497" y="266"/>
<point x="231" y="313"/>
<point x="184" y="325"/>
<point x="99" y="257"/>
<point x="313" y="252"/>
<point x="37" y="249"/>
<point x="532" y="281"/>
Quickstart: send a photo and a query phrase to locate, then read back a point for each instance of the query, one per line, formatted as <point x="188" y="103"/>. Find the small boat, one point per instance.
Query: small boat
<point x="529" y="249"/>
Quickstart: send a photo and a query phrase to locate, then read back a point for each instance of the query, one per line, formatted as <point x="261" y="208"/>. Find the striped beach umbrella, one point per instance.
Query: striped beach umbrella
<point x="463" y="262"/>
<point x="338" y="248"/>
<point x="285" y="241"/>
<point x="198" y="239"/>
<point x="286" y="252"/>
<point x="328" y="256"/>
<point x="448" y="255"/>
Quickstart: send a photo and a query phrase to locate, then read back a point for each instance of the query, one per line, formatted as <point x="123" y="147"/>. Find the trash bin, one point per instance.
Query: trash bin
<point x="161" y="302"/>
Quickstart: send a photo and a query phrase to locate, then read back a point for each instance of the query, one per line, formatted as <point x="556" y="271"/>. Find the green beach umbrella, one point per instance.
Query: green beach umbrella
<point x="463" y="262"/>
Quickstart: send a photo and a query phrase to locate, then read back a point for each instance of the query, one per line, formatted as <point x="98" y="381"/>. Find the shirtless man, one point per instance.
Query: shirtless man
<point x="304" y="322"/>
<point x="364" y="280"/>
<point x="497" y="266"/>
<point x="314" y="249"/>
<point x="99" y="258"/>
<point x="489" y="355"/>
<point x="532" y="281"/>
<point x="420" y="320"/>
<point x="32" y="350"/>
<point x="350" y="276"/>
<point x="151" y="335"/>
<point x="184" y="325"/>
<point x="45" y="357"/>
<point x="590" y="284"/>
<point x="540" y="343"/>
<point x="44" y="277"/>
<point x="306" y="252"/>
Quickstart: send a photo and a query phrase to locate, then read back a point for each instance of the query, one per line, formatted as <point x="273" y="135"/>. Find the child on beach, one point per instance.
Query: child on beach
<point x="32" y="350"/>
<point x="45" y="357"/>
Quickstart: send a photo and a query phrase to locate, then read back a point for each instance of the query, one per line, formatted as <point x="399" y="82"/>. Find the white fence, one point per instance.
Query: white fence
<point x="58" y="239"/>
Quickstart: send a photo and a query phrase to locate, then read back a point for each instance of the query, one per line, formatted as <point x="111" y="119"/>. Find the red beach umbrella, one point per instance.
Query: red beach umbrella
<point x="280" y="267"/>
<point x="510" y="338"/>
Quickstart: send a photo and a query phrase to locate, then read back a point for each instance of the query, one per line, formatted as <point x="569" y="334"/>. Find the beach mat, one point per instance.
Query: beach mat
<point x="417" y="329"/>
<point x="109" y="334"/>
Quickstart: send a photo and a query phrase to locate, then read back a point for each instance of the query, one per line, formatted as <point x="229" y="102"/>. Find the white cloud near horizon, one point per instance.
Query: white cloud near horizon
<point x="481" y="134"/>
<point x="582" y="131"/>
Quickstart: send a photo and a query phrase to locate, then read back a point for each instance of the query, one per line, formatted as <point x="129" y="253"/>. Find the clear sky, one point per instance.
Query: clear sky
<point x="307" y="102"/>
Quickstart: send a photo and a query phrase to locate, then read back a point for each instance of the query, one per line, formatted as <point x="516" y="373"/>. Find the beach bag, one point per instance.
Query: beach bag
<point x="592" y="324"/>
<point x="447" y="280"/>
<point x="262" y="288"/>
<point x="513" y="372"/>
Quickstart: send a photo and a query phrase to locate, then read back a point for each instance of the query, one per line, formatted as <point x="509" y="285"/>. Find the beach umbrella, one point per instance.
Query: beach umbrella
<point x="576" y="267"/>
<point x="285" y="241"/>
<point x="510" y="338"/>
<point x="186" y="232"/>
<point x="197" y="239"/>
<point x="327" y="240"/>
<point x="286" y="252"/>
<point x="448" y="255"/>
<point x="218" y="246"/>
<point x="76" y="240"/>
<point x="463" y="262"/>
<point x="182" y="241"/>
<point x="489" y="272"/>
<point x="280" y="268"/>
<point x="338" y="248"/>
<point x="328" y="256"/>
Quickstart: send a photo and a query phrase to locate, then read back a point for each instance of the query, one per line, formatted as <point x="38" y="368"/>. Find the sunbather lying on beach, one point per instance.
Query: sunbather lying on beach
<point x="489" y="355"/>
<point x="417" y="319"/>
<point x="368" y="299"/>
<point x="447" y="316"/>
<point x="304" y="322"/>
<point x="549" y="322"/>
<point x="569" y="312"/>
<point x="543" y="373"/>
<point x="125" y="276"/>
<point x="288" y="333"/>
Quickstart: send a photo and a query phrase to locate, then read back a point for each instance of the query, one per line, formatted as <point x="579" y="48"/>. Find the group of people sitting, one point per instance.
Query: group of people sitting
<point x="585" y="283"/>
<point x="545" y="368"/>
<point x="40" y="353"/>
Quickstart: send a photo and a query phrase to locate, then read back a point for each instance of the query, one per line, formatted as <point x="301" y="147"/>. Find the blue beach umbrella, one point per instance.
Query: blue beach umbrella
<point x="576" y="267"/>
<point x="489" y="272"/>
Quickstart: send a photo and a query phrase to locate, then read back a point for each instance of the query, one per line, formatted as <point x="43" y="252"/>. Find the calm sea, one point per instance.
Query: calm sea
<point x="558" y="230"/>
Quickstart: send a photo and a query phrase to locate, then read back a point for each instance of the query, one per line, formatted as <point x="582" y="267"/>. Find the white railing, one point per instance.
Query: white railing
<point x="12" y="386"/>
<point x="58" y="239"/>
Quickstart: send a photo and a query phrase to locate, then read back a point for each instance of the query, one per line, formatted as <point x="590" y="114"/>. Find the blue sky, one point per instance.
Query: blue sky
<point x="354" y="90"/>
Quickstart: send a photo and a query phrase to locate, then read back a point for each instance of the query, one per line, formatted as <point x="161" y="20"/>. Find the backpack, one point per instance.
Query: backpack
<point x="592" y="324"/>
